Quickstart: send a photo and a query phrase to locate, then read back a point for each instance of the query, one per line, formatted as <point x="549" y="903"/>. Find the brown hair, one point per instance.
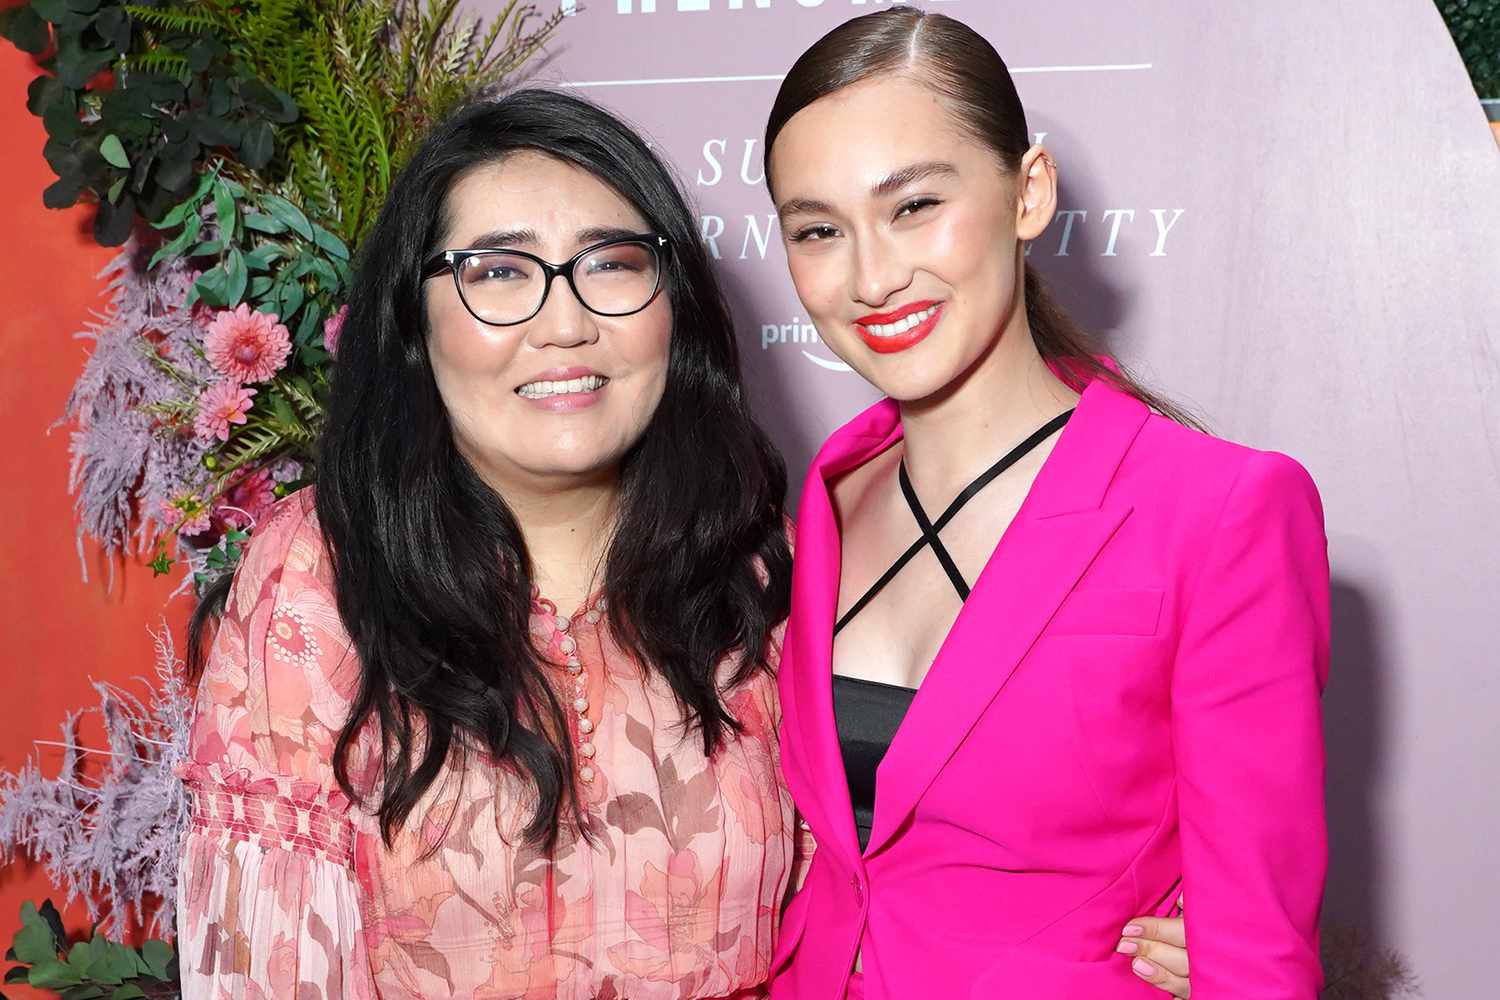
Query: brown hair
<point x="964" y="68"/>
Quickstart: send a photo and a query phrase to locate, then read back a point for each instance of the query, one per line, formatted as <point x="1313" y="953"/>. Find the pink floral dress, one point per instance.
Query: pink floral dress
<point x="287" y="890"/>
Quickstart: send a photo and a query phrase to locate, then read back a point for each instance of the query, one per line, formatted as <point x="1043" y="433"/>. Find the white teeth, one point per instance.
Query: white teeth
<point x="544" y="388"/>
<point x="901" y="325"/>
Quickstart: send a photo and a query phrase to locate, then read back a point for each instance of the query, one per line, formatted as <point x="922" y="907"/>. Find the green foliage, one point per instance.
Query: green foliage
<point x="137" y="98"/>
<point x="1475" y="25"/>
<point x="92" y="968"/>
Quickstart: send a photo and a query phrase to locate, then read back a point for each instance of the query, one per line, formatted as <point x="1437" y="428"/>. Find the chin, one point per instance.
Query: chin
<point x="906" y="381"/>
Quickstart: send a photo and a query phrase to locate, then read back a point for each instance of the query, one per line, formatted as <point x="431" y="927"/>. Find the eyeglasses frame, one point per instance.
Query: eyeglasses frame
<point x="453" y="261"/>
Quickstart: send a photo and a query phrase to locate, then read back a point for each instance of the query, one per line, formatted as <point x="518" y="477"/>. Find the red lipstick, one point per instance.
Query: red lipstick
<point x="892" y="343"/>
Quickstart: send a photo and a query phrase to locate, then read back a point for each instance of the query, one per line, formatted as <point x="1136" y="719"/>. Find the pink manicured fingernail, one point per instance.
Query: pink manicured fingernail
<point x="1127" y="947"/>
<point x="1142" y="967"/>
<point x="1133" y="930"/>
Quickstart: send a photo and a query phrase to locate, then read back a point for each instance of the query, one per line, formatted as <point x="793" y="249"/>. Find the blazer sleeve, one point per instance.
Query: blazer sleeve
<point x="1248" y="742"/>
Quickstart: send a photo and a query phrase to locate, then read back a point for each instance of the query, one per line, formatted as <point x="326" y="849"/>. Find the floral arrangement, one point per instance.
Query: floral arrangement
<point x="236" y="151"/>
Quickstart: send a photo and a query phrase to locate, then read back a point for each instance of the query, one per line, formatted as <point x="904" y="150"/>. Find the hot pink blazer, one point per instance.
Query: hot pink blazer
<point x="1128" y="705"/>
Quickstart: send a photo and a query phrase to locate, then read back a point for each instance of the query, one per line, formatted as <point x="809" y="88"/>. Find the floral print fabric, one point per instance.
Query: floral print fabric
<point x="287" y="889"/>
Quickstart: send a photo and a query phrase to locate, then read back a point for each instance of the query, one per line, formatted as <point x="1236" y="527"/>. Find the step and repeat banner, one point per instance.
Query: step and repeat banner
<point x="1283" y="215"/>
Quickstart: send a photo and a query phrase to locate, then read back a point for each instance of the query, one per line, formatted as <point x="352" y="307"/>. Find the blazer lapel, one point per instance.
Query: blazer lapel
<point x="1060" y="528"/>
<point x="812" y="762"/>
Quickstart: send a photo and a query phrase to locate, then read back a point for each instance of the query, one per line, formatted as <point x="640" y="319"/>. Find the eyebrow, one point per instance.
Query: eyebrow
<point x="528" y="237"/>
<point x="899" y="179"/>
<point x="887" y="185"/>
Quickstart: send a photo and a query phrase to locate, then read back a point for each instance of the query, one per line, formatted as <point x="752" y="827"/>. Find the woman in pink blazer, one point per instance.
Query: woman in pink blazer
<point x="1027" y="699"/>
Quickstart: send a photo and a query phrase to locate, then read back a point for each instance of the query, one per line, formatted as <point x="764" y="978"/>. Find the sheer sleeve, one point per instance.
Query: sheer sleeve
<point x="268" y="901"/>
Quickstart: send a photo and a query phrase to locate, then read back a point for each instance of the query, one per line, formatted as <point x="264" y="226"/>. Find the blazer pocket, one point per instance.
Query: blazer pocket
<point x="1108" y="612"/>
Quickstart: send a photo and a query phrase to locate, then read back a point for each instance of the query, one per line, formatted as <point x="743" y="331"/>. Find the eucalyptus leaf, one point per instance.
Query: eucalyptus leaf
<point x="325" y="274"/>
<point x="16" y="974"/>
<point x="114" y="152"/>
<point x="212" y="286"/>
<point x="224" y="211"/>
<point x="113" y="25"/>
<point x="45" y="91"/>
<point x="116" y="188"/>
<point x="259" y="286"/>
<point x="257" y="145"/>
<point x="51" y="10"/>
<point x="129" y="991"/>
<point x="188" y="204"/>
<point x="261" y="257"/>
<point x="310" y="327"/>
<point x="83" y="6"/>
<point x="25" y="29"/>
<point x="115" y="220"/>
<point x="290" y="300"/>
<point x="60" y="119"/>
<point x="174" y="174"/>
<point x="62" y="193"/>
<point x="289" y="214"/>
<point x="264" y="223"/>
<point x="330" y="243"/>
<point x="234" y="265"/>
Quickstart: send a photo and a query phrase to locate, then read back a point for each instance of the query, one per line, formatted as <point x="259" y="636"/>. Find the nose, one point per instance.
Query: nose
<point x="563" y="321"/>
<point x="879" y="272"/>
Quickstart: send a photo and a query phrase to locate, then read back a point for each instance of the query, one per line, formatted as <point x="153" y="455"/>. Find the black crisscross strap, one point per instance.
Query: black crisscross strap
<point x="930" y="529"/>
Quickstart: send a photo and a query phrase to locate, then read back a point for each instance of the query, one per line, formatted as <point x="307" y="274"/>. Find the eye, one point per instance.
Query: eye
<point x="819" y="231"/>
<point x="915" y="205"/>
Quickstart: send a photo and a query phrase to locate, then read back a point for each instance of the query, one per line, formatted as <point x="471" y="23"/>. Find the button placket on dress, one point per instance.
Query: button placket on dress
<point x="567" y="643"/>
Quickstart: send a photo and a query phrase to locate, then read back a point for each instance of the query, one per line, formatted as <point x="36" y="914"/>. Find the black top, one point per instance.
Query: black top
<point x="867" y="714"/>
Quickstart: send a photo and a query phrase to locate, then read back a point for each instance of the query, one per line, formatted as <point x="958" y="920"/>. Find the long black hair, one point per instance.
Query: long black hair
<point x="965" y="70"/>
<point x="431" y="571"/>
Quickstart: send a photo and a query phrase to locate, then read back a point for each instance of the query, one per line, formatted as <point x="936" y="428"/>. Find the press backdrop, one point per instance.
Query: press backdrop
<point x="1286" y="215"/>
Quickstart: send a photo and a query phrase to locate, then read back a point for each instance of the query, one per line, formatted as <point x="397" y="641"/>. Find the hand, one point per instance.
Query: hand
<point x="1158" y="946"/>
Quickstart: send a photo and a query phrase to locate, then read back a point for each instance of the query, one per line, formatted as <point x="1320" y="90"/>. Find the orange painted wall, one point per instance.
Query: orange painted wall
<point x="56" y="631"/>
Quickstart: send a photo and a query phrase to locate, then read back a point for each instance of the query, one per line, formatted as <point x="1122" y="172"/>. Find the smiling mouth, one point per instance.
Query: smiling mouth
<point x="545" y="389"/>
<point x="901" y="325"/>
<point x="902" y="333"/>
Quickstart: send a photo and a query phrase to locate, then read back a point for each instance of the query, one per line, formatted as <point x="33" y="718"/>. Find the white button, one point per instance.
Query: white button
<point x="586" y="773"/>
<point x="581" y="705"/>
<point x="592" y="617"/>
<point x="587" y="749"/>
<point x="562" y="623"/>
<point x="568" y="645"/>
<point x="585" y="726"/>
<point x="574" y="667"/>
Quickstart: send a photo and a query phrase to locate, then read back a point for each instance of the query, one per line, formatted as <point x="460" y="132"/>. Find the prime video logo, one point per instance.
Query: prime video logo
<point x="688" y="6"/>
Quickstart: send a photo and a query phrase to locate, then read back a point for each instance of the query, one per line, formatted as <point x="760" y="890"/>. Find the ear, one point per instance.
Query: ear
<point x="1036" y="197"/>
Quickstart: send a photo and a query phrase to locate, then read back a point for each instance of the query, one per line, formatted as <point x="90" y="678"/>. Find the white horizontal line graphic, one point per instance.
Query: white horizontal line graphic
<point x="770" y="77"/>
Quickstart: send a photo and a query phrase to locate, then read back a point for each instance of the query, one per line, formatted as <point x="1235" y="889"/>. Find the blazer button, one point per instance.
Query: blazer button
<point x="859" y="890"/>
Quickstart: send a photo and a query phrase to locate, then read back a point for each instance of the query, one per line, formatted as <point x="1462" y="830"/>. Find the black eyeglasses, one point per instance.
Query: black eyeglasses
<point x="505" y="287"/>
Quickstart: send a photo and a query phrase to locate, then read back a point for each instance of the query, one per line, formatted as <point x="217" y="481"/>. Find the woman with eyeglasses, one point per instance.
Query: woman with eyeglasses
<point x="1053" y="656"/>
<point x="491" y="712"/>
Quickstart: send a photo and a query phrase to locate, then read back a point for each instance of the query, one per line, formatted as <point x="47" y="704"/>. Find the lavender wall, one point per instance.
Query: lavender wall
<point x="1287" y="215"/>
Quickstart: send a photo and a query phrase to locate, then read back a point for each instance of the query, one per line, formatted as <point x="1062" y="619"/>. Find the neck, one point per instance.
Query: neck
<point x="567" y="524"/>
<point x="958" y="432"/>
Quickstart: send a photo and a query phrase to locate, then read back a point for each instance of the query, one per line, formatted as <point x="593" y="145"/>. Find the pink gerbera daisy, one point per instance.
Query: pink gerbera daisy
<point x="247" y="499"/>
<point x="186" y="514"/>
<point x="220" y="405"/>
<point x="246" y="345"/>
<point x="332" y="327"/>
